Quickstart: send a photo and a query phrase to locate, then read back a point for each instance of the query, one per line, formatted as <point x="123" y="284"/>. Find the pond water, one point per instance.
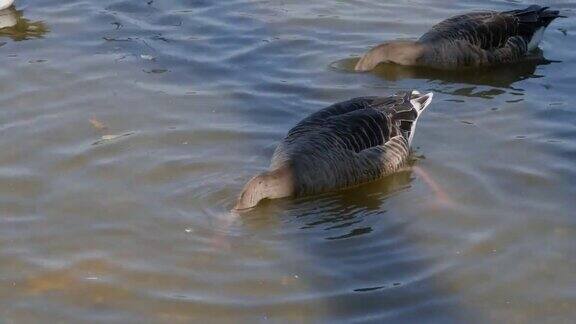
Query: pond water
<point x="127" y="128"/>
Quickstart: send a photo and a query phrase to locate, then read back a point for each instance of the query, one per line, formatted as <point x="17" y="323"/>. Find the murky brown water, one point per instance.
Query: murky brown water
<point x="128" y="127"/>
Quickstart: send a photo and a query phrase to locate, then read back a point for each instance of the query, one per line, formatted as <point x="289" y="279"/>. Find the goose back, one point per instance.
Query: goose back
<point x="347" y="144"/>
<point x="490" y="29"/>
<point x="487" y="37"/>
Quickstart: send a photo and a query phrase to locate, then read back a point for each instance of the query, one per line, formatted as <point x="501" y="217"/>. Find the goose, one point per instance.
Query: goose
<point x="5" y="4"/>
<point x="341" y="146"/>
<point x="471" y="40"/>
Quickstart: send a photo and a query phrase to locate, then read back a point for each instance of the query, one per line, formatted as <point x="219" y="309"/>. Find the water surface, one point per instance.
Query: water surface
<point x="127" y="128"/>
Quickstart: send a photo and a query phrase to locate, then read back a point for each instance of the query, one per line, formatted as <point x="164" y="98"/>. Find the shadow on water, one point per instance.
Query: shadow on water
<point x="15" y="26"/>
<point x="500" y="78"/>
<point x="366" y="263"/>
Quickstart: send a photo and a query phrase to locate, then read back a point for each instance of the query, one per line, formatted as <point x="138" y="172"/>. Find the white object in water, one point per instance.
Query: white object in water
<point x="5" y="4"/>
<point x="7" y="18"/>
<point x="536" y="38"/>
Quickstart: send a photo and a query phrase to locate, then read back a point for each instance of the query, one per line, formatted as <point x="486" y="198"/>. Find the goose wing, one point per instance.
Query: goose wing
<point x="358" y="130"/>
<point x="351" y="125"/>
<point x="490" y="30"/>
<point x="348" y="127"/>
<point x="385" y="158"/>
<point x="346" y="168"/>
<point x="355" y="125"/>
<point x="532" y="20"/>
<point x="338" y="109"/>
<point x="345" y="144"/>
<point x="486" y="29"/>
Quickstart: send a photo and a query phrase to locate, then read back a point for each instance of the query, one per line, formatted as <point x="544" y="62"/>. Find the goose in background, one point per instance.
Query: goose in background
<point x="471" y="40"/>
<point x="5" y="4"/>
<point x="341" y="146"/>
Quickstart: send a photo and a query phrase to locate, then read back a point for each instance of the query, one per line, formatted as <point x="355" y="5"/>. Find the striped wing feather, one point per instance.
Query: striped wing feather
<point x="354" y="125"/>
<point x="346" y="144"/>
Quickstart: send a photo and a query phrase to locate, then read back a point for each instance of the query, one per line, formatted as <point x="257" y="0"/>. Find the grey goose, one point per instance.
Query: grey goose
<point x="341" y="146"/>
<point x="475" y="39"/>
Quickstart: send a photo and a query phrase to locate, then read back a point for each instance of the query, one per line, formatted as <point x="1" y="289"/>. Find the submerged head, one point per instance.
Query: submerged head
<point x="267" y="185"/>
<point x="405" y="115"/>
<point x="399" y="52"/>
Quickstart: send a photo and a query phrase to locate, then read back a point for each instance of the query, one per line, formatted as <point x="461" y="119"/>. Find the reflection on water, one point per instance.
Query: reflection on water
<point x="346" y="208"/>
<point x="15" y="26"/>
<point x="499" y="78"/>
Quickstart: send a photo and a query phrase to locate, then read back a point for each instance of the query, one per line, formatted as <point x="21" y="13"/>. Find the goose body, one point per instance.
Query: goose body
<point x="344" y="145"/>
<point x="471" y="40"/>
<point x="5" y="4"/>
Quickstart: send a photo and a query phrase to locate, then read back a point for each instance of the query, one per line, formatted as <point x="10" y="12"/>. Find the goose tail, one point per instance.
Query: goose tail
<point x="547" y="16"/>
<point x="420" y="101"/>
<point x="538" y="15"/>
